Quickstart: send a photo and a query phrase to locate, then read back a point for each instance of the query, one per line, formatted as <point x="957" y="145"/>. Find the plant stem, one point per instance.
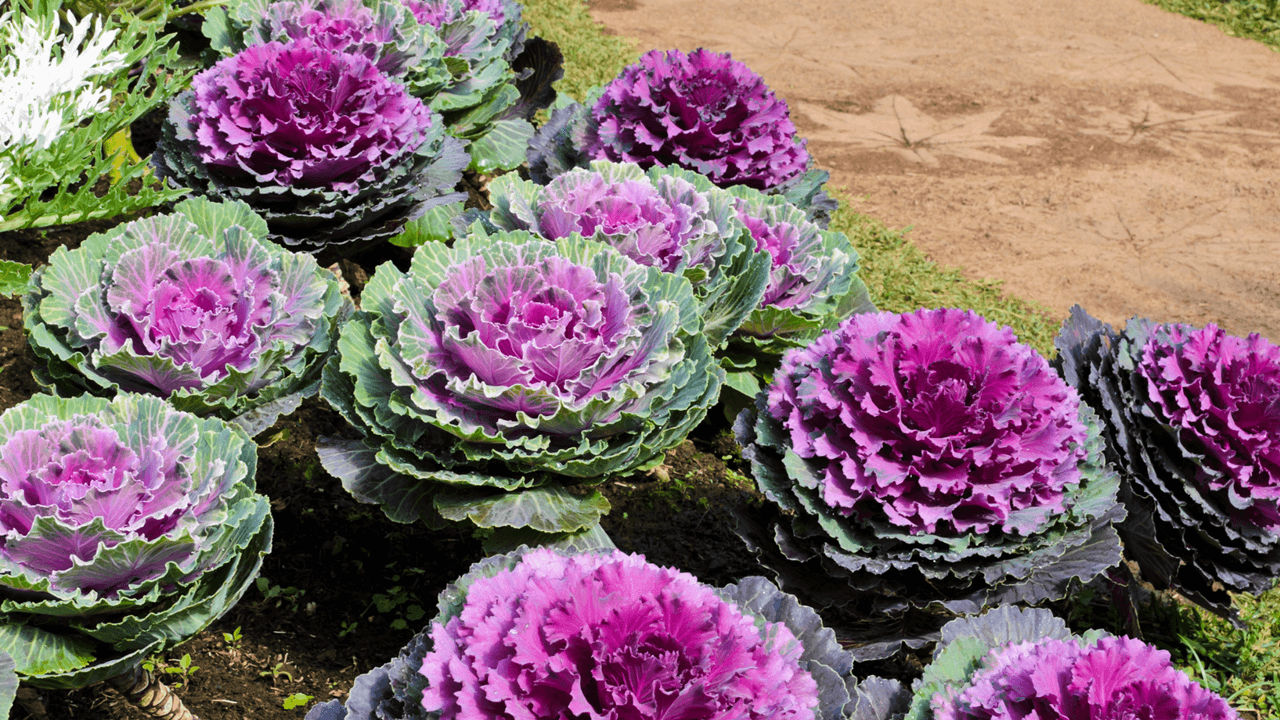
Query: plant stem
<point x="150" y="695"/>
<point x="197" y="7"/>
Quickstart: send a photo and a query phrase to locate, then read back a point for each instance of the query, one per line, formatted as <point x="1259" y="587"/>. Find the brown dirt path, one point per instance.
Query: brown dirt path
<point x="1104" y="152"/>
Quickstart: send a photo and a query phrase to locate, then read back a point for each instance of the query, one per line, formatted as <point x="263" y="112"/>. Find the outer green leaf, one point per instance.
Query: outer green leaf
<point x="95" y="673"/>
<point x="8" y="684"/>
<point x="35" y="651"/>
<point x="435" y="226"/>
<point x="13" y="277"/>
<point x="502" y="148"/>
<point x="212" y="218"/>
<point x="504" y="540"/>
<point x="880" y="699"/>
<point x="266" y="415"/>
<point x="545" y="509"/>
<point x="743" y="382"/>
<point x="404" y="500"/>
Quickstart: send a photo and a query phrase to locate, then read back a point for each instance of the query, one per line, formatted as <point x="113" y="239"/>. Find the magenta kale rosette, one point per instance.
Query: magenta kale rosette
<point x="925" y="461"/>
<point x="1116" y="677"/>
<point x="466" y="59"/>
<point x="703" y="111"/>
<point x="1011" y="664"/>
<point x="1192" y="420"/>
<point x="322" y="144"/>
<point x="598" y="635"/>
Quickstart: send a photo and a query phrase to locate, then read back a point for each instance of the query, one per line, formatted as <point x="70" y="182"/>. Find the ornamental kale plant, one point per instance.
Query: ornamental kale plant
<point x="925" y="462"/>
<point x="668" y="218"/>
<point x="1012" y="663"/>
<point x="126" y="527"/>
<point x="536" y="634"/>
<point x="704" y="112"/>
<point x="466" y="59"/>
<point x="813" y="284"/>
<point x="384" y="33"/>
<point x="196" y="307"/>
<point x="56" y="108"/>
<point x="503" y="367"/>
<point x="329" y="150"/>
<point x="1192" y="421"/>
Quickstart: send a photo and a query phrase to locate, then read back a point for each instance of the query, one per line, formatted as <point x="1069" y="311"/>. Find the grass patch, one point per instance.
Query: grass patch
<point x="1253" y="19"/>
<point x="1243" y="665"/>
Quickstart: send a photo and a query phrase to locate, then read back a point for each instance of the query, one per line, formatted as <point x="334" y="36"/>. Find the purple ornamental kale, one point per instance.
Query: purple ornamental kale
<point x="112" y="497"/>
<point x="195" y="306"/>
<point x="345" y="26"/>
<point x="438" y="12"/>
<point x="802" y="266"/>
<point x="547" y="330"/>
<point x="937" y="420"/>
<point x="74" y="473"/>
<point x="1221" y="395"/>
<point x="1114" y="679"/>
<point x="603" y="636"/>
<point x="654" y="220"/>
<point x="1192" y="420"/>
<point x="303" y="116"/>
<point x="705" y="112"/>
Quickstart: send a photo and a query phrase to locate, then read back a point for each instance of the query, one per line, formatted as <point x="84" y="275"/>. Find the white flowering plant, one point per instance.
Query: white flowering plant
<point x="66" y="83"/>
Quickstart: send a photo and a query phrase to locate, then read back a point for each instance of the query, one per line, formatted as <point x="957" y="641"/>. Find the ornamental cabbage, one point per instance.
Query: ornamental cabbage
<point x="1192" y="421"/>
<point x="1013" y="663"/>
<point x="813" y="284"/>
<point x="126" y="526"/>
<point x="536" y="633"/>
<point x="466" y="59"/>
<point x="196" y="307"/>
<point x="385" y="33"/>
<point x="511" y="363"/>
<point x="328" y="149"/>
<point x="704" y="112"/>
<point x="668" y="218"/>
<point x="921" y="462"/>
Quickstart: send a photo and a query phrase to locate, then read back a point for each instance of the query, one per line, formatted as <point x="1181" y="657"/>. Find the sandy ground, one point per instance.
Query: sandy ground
<point x="1102" y="152"/>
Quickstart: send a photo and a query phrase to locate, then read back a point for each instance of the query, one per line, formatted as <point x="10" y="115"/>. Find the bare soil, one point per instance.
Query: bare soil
<point x="1102" y="152"/>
